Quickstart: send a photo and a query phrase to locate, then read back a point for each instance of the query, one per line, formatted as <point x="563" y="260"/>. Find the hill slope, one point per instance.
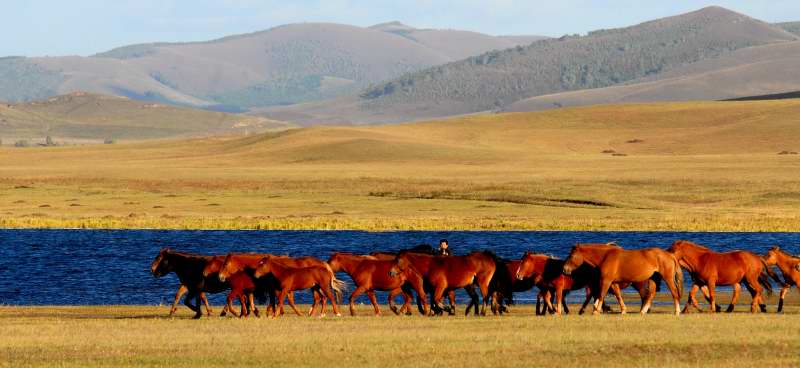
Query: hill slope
<point x="282" y="65"/>
<point x="746" y="72"/>
<point x="84" y="116"/>
<point x="600" y="59"/>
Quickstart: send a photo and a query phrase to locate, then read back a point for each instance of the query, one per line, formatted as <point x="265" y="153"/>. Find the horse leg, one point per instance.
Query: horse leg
<point x="452" y="296"/>
<point x="438" y="295"/>
<point x="329" y="294"/>
<point x="228" y="305"/>
<point x="647" y="299"/>
<point x="618" y="294"/>
<point x="586" y="301"/>
<point x="353" y="296"/>
<point x="473" y="299"/>
<point x="374" y="301"/>
<point x="290" y="298"/>
<point x="205" y="302"/>
<point x="564" y="301"/>
<point x="539" y="297"/>
<point x="605" y="284"/>
<point x="559" y="300"/>
<point x="188" y="301"/>
<point x="690" y="299"/>
<point x="392" y="294"/>
<point x="252" y="304"/>
<point x="279" y="306"/>
<point x="756" y="291"/>
<point x="197" y="301"/>
<point x="784" y="290"/>
<point x="181" y="290"/>
<point x="712" y="295"/>
<point x="406" y="308"/>
<point x="737" y="287"/>
<point x="548" y="302"/>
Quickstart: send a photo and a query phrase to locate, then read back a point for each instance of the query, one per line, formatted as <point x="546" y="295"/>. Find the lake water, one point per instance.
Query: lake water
<point x="77" y="267"/>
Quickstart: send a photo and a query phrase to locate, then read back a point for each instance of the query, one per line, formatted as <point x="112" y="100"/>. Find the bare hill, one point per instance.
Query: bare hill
<point x="747" y="72"/>
<point x="602" y="58"/>
<point x="282" y="65"/>
<point x="83" y="116"/>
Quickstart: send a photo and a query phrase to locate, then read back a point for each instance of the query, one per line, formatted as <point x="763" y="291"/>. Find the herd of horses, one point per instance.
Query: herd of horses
<point x="418" y="274"/>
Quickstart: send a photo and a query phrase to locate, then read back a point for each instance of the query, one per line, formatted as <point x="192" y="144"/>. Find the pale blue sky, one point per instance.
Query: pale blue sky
<point x="83" y="27"/>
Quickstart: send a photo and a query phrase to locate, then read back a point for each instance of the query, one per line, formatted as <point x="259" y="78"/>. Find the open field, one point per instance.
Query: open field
<point x="708" y="166"/>
<point x="143" y="336"/>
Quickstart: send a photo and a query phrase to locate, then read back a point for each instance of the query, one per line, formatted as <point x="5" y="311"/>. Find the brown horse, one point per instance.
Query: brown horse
<point x="709" y="268"/>
<point x="621" y="265"/>
<point x="546" y="273"/>
<point x="189" y="269"/>
<point x="248" y="262"/>
<point x="790" y="269"/>
<point x="320" y="279"/>
<point x="242" y="288"/>
<point x="370" y="274"/>
<point x="451" y="272"/>
<point x="426" y="252"/>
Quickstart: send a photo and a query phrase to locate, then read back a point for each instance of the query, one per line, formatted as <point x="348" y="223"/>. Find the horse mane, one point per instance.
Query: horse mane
<point x="190" y="256"/>
<point x="703" y="247"/>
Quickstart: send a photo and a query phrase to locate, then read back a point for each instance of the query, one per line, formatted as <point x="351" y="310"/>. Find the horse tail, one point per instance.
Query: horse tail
<point x="772" y="273"/>
<point x="678" y="276"/>
<point x="338" y="287"/>
<point x="765" y="275"/>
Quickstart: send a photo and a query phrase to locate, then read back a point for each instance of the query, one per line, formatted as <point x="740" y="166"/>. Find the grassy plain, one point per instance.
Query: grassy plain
<point x="143" y="336"/>
<point x="707" y="166"/>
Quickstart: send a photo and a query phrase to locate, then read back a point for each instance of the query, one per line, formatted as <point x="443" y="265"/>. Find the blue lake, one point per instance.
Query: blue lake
<point x="112" y="266"/>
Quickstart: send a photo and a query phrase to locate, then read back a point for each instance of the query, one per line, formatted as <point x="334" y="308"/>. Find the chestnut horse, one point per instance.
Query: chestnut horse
<point x="451" y="272"/>
<point x="320" y="279"/>
<point x="621" y="265"/>
<point x="242" y="288"/>
<point x="370" y="274"/>
<point x="546" y="273"/>
<point x="247" y="262"/>
<point x="427" y="252"/>
<point x="790" y="269"/>
<point x="189" y="269"/>
<point x="709" y="268"/>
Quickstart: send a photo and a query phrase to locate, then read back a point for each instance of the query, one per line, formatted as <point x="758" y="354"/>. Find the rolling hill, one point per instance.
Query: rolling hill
<point x="494" y="80"/>
<point x="83" y="116"/>
<point x="283" y="65"/>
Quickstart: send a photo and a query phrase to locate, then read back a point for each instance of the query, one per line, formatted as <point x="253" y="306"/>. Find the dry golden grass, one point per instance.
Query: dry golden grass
<point x="142" y="336"/>
<point x="690" y="166"/>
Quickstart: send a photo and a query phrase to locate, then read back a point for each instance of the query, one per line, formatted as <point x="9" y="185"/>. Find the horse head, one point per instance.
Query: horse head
<point x="335" y="261"/>
<point x="574" y="260"/>
<point x="161" y="266"/>
<point x="526" y="266"/>
<point x="213" y="265"/>
<point x="400" y="265"/>
<point x="264" y="267"/>
<point x="228" y="268"/>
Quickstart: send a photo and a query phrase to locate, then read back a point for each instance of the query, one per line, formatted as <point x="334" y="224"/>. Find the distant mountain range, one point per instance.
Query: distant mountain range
<point x="322" y="73"/>
<point x="712" y="53"/>
<point x="283" y="65"/>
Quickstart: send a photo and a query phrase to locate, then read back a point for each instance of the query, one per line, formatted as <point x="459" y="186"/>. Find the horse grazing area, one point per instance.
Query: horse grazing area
<point x="143" y="336"/>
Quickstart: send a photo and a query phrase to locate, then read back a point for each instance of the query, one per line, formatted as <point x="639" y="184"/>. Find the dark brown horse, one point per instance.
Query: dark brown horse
<point x="370" y="274"/>
<point x="709" y="268"/>
<point x="242" y="288"/>
<point x="547" y="274"/>
<point x="451" y="272"/>
<point x="248" y="262"/>
<point x="617" y="265"/>
<point x="504" y="284"/>
<point x="320" y="279"/>
<point x="189" y="269"/>
<point x="790" y="269"/>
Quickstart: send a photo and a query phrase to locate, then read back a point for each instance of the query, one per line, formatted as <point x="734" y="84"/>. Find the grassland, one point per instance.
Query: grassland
<point x="143" y="336"/>
<point x="708" y="166"/>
